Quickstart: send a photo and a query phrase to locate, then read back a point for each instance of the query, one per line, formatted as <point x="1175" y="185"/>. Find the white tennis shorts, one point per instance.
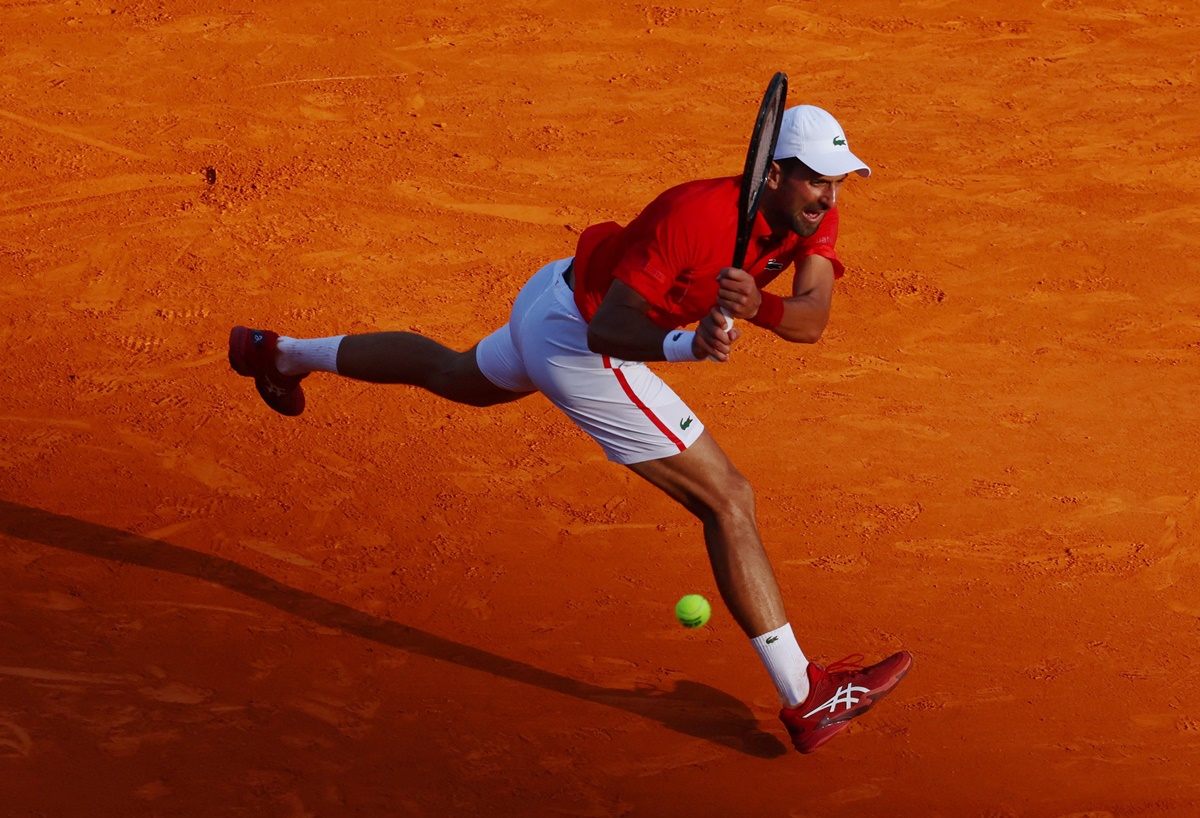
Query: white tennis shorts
<point x="625" y="407"/>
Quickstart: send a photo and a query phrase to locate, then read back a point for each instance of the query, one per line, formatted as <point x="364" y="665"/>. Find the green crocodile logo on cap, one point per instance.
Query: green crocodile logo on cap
<point x="841" y="143"/>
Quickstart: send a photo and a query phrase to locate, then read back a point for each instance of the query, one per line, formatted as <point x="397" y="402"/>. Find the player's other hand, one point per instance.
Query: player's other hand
<point x="738" y="294"/>
<point x="712" y="339"/>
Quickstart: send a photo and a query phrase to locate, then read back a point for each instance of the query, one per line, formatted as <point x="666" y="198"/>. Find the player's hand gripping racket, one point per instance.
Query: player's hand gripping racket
<point x="758" y="165"/>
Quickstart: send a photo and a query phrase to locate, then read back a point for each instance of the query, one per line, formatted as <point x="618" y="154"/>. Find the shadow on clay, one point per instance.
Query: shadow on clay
<point x="691" y="708"/>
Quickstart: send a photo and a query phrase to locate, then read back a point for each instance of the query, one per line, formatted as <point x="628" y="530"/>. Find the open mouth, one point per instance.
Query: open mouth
<point x="812" y="216"/>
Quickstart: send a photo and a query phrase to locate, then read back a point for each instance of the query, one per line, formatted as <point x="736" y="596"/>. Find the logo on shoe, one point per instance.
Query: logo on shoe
<point x="277" y="391"/>
<point x="257" y="338"/>
<point x="845" y="696"/>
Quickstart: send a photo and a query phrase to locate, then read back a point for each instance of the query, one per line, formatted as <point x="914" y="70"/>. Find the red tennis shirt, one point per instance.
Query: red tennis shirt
<point x="672" y="252"/>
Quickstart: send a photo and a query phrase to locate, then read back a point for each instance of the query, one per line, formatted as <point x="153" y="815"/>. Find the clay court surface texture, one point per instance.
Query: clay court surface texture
<point x="396" y="606"/>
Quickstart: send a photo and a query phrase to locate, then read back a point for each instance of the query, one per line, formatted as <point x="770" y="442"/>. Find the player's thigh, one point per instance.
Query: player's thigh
<point x="702" y="478"/>
<point x="472" y="387"/>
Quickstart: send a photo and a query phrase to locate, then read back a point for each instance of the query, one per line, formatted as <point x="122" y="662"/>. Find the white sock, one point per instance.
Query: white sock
<point x="298" y="356"/>
<point x="785" y="662"/>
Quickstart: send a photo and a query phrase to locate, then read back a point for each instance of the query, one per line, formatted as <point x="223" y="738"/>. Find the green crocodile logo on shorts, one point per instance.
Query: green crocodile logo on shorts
<point x="683" y="424"/>
<point x="841" y="143"/>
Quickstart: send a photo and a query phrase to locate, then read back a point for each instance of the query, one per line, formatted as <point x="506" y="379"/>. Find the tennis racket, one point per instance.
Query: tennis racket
<point x="758" y="162"/>
<point x="758" y="165"/>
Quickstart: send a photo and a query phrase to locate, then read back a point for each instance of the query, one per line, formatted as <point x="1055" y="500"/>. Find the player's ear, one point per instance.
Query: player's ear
<point x="774" y="176"/>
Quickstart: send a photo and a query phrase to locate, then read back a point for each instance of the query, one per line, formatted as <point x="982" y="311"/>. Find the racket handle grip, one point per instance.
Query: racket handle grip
<point x="728" y="327"/>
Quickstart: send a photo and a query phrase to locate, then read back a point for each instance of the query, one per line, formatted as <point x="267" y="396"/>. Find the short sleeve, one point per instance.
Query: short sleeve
<point x="677" y="243"/>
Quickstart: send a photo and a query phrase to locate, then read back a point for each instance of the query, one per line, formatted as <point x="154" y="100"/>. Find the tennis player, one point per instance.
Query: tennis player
<point x="581" y="331"/>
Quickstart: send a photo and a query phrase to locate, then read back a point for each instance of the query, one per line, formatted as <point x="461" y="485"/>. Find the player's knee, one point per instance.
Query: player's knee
<point x="734" y="498"/>
<point x="459" y="379"/>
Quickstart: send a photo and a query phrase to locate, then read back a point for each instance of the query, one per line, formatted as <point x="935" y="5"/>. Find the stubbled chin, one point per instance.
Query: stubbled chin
<point x="804" y="228"/>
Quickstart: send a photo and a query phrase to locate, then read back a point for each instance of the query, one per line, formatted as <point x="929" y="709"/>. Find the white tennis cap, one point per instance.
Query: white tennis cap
<point x="813" y="136"/>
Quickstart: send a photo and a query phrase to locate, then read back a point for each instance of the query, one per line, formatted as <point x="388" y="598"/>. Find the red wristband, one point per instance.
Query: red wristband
<point x="770" y="312"/>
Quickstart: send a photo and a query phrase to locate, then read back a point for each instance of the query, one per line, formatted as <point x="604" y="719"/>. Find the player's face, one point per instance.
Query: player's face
<point x="804" y="197"/>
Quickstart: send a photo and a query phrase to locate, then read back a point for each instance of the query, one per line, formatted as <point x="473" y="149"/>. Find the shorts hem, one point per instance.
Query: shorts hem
<point x="658" y="453"/>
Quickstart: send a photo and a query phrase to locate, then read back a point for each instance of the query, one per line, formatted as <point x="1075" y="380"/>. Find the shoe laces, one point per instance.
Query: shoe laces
<point x="851" y="662"/>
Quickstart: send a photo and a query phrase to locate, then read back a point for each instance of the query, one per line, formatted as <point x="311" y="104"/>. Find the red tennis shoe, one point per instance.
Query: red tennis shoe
<point x="839" y="693"/>
<point x="252" y="354"/>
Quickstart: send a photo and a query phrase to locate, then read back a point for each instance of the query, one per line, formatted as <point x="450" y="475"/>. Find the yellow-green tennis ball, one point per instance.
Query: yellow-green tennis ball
<point x="692" y="611"/>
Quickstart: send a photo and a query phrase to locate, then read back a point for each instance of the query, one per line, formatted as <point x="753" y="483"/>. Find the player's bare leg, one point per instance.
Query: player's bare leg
<point x="279" y="364"/>
<point x="818" y="702"/>
<point x="705" y="482"/>
<point x="408" y="358"/>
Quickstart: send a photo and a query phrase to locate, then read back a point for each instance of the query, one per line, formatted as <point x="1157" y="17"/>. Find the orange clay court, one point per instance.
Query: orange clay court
<point x="397" y="606"/>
